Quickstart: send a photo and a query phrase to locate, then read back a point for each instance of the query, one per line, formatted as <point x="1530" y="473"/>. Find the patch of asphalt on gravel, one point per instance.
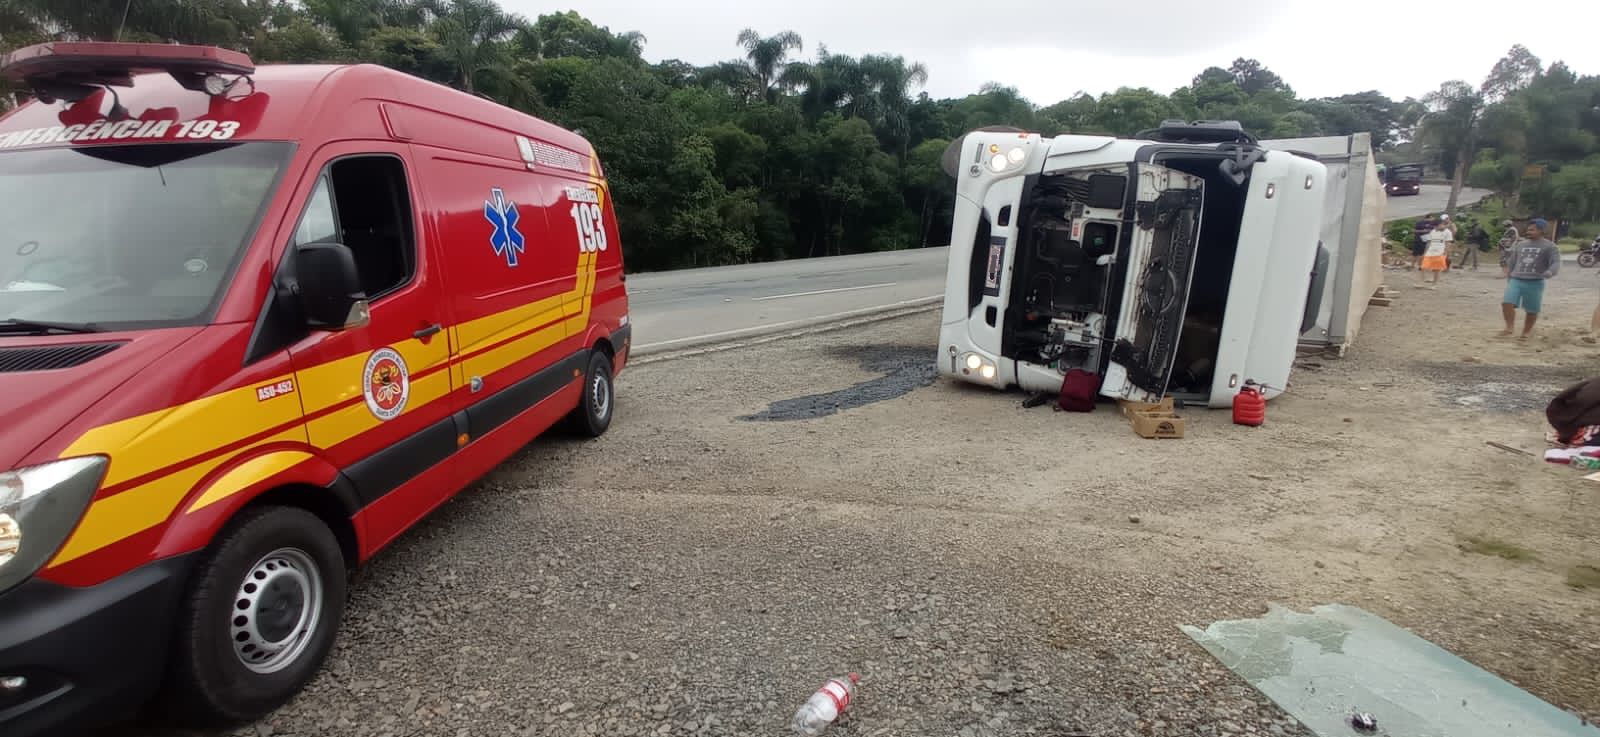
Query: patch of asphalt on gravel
<point x="904" y="369"/>
<point x="1500" y="388"/>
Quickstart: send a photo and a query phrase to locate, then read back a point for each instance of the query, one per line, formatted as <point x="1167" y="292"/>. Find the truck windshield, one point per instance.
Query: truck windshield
<point x="120" y="237"/>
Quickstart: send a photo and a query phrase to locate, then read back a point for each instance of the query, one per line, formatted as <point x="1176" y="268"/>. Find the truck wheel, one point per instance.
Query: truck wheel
<point x="593" y="414"/>
<point x="1586" y="259"/>
<point x="260" y="614"/>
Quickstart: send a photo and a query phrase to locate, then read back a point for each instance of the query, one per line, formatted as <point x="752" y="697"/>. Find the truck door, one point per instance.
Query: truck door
<point x="376" y="398"/>
<point x="1158" y="266"/>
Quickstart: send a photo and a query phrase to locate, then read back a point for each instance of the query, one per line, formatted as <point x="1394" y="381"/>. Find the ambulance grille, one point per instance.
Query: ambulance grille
<point x="49" y="357"/>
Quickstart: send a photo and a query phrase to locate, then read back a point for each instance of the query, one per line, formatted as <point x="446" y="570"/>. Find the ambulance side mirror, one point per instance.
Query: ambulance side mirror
<point x="329" y="286"/>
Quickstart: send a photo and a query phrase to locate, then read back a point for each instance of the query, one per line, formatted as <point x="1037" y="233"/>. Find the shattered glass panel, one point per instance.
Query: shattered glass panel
<point x="1337" y="661"/>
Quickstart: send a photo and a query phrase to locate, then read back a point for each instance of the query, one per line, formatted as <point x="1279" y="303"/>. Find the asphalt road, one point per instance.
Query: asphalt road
<point x="679" y="309"/>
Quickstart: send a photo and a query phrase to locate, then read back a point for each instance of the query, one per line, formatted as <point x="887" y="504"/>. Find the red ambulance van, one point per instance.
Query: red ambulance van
<point x="254" y="324"/>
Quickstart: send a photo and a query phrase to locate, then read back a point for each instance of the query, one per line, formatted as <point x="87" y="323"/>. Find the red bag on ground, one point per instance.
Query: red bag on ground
<point x="1078" y="391"/>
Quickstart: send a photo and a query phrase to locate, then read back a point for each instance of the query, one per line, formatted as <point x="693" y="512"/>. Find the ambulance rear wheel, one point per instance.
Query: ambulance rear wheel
<point x="593" y="414"/>
<point x="259" y="617"/>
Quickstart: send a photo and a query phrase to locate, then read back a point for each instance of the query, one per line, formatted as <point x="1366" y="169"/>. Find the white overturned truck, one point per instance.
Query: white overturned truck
<point x="1184" y="262"/>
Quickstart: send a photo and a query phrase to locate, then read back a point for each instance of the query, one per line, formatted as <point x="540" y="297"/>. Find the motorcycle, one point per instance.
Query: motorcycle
<point x="1590" y="255"/>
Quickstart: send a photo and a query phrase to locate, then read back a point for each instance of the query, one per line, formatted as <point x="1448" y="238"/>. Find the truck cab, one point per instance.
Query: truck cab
<point x="1403" y="179"/>
<point x="1177" y="262"/>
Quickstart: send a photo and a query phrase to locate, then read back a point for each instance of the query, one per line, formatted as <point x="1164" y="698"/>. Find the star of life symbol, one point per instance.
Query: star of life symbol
<point x="502" y="214"/>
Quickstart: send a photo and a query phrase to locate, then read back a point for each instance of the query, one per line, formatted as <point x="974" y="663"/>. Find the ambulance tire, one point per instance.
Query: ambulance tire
<point x="593" y="414"/>
<point x="208" y="683"/>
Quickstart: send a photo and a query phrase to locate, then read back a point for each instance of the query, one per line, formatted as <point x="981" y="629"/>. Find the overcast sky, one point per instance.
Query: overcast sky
<point x="1051" y="50"/>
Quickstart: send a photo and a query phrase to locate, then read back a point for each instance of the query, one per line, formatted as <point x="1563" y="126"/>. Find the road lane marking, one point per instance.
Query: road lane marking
<point x="825" y="291"/>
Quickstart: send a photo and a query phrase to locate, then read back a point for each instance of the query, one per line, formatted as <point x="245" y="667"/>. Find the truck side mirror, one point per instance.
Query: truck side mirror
<point x="329" y="286"/>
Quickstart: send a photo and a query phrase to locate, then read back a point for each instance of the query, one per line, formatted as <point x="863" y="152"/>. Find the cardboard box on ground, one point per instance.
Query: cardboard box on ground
<point x="1153" y="420"/>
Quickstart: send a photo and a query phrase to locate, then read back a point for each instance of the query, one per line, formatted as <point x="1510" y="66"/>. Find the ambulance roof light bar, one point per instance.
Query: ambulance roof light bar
<point x="72" y="70"/>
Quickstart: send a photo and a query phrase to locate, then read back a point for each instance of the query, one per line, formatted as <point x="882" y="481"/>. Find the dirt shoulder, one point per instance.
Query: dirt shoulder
<point x="760" y="519"/>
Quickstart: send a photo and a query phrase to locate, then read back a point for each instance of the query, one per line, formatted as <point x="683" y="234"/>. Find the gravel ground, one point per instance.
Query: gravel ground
<point x="987" y="569"/>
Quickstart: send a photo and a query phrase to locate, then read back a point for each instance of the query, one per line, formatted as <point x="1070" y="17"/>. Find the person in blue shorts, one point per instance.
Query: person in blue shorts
<point x="1532" y="261"/>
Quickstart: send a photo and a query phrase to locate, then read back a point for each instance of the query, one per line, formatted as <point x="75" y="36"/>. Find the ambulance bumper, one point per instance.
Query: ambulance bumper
<point x="84" y="656"/>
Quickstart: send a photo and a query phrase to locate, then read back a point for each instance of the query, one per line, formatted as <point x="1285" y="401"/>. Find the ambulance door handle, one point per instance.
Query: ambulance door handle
<point x="428" y="332"/>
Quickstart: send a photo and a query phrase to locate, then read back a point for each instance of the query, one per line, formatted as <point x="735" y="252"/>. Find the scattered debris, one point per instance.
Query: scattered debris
<point x="825" y="706"/>
<point x="1153" y="420"/>
<point x="1312" y="664"/>
<point x="1261" y="476"/>
<point x="1134" y="518"/>
<point x="1507" y="448"/>
<point x="1036" y="399"/>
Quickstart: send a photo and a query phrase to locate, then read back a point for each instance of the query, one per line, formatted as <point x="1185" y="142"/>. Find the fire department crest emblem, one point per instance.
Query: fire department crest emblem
<point x="386" y="383"/>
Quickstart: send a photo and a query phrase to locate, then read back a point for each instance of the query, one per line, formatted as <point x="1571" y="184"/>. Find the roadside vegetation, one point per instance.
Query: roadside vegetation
<point x="789" y="150"/>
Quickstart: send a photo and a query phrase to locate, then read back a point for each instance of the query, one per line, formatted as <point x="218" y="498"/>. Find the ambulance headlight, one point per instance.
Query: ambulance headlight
<point x="987" y="371"/>
<point x="974" y="361"/>
<point x="999" y="162"/>
<point x="1016" y="155"/>
<point x="39" y="507"/>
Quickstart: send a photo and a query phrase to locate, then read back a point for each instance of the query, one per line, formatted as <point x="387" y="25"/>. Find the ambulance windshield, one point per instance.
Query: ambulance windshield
<point x="128" y="236"/>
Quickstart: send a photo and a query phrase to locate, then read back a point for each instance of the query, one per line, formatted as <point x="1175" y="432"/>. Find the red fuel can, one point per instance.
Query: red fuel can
<point x="1249" y="407"/>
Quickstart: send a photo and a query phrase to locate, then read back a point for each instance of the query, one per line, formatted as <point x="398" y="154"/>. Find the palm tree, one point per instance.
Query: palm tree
<point x="834" y="83"/>
<point x="768" y="56"/>
<point x="471" y="33"/>
<point x="893" y="81"/>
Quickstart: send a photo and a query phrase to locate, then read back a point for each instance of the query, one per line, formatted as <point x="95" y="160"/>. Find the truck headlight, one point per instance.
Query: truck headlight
<point x="39" y="507"/>
<point x="973" y="363"/>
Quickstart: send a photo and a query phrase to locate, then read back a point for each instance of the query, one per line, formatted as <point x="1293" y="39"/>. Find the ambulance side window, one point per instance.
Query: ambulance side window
<point x="372" y="216"/>
<point x="318" y="224"/>
<point x="363" y="203"/>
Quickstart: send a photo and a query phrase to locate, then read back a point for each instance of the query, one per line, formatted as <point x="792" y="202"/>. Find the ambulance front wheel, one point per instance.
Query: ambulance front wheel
<point x="593" y="415"/>
<point x="259" y="617"/>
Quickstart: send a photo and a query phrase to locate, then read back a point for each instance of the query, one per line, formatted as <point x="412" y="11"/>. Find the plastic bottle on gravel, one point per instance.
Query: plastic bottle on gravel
<point x="825" y="705"/>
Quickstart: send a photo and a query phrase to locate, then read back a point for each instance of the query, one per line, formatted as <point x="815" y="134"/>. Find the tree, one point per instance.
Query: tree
<point x="929" y="186"/>
<point x="1450" y="128"/>
<point x="893" y="81"/>
<point x="1512" y="74"/>
<point x="1130" y="110"/>
<point x="768" y="56"/>
<point x="470" y="33"/>
<point x="1254" y="78"/>
<point x="995" y="104"/>
<point x="1073" y="115"/>
<point x="408" y="50"/>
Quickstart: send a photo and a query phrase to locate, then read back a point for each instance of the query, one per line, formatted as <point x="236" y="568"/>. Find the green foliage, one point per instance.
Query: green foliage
<point x="777" y="153"/>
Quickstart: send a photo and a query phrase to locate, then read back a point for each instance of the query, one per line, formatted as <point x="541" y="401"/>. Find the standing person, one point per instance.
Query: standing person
<point x="1449" y="229"/>
<point x="1477" y="240"/>
<point x="1532" y="262"/>
<point x="1419" y="242"/>
<point x="1436" y="254"/>
<point x="1508" y="243"/>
